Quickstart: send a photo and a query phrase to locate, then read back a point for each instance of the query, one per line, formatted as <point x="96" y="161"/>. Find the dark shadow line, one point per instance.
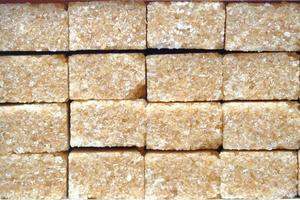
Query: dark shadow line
<point x="149" y="51"/>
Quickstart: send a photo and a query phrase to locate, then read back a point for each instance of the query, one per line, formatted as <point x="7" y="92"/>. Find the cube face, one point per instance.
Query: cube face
<point x="184" y="126"/>
<point x="107" y="25"/>
<point x="268" y="175"/>
<point x="185" y="25"/>
<point x="106" y="175"/>
<point x="178" y="175"/>
<point x="263" y="27"/>
<point x="33" y="27"/>
<point x="108" y="123"/>
<point x="34" y="128"/>
<point x="40" y="78"/>
<point x="184" y="77"/>
<point x="33" y="176"/>
<point x="261" y="125"/>
<point x="107" y="76"/>
<point x="261" y="76"/>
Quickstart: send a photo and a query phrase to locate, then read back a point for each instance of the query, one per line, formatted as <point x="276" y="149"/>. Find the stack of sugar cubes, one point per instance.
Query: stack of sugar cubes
<point x="149" y="100"/>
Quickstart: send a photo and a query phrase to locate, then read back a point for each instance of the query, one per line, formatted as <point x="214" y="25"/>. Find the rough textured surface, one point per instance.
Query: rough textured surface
<point x="263" y="26"/>
<point x="261" y="76"/>
<point x="184" y="126"/>
<point x="186" y="25"/>
<point x="33" y="27"/>
<point x="108" y="123"/>
<point x="107" y="76"/>
<point x="107" y="25"/>
<point x="261" y="125"/>
<point x="33" y="128"/>
<point x="40" y="78"/>
<point x="184" y="77"/>
<point x="34" y="176"/>
<point x="262" y="175"/>
<point x="106" y="175"/>
<point x="177" y="176"/>
<point x="298" y="173"/>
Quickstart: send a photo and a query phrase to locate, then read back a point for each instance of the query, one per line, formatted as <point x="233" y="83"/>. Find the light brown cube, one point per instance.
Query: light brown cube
<point x="261" y="175"/>
<point x="33" y="27"/>
<point x="186" y="25"/>
<point x="184" y="77"/>
<point x="261" y="125"/>
<point x="33" y="128"/>
<point x="108" y="123"/>
<point x="263" y="27"/>
<point x="184" y="126"/>
<point x="107" y="76"/>
<point x="105" y="175"/>
<point x="33" y="176"/>
<point x="261" y="76"/>
<point x="107" y="25"/>
<point x="176" y="175"/>
<point x="40" y="78"/>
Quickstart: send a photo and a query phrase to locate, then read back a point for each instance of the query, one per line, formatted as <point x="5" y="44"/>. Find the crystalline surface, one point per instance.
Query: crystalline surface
<point x="261" y="76"/>
<point x="263" y="27"/>
<point x="107" y="25"/>
<point x="106" y="175"/>
<point x="34" y="176"/>
<point x="184" y="77"/>
<point x="184" y="126"/>
<point x="40" y="78"/>
<point x="33" y="128"/>
<point x="108" y="123"/>
<point x="262" y="175"/>
<point x="177" y="176"/>
<point x="261" y="125"/>
<point x="185" y="25"/>
<point x="33" y="27"/>
<point x="107" y="76"/>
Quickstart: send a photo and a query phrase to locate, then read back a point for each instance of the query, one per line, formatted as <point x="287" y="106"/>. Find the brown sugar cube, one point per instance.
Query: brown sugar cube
<point x="33" y="27"/>
<point x="186" y="25"/>
<point x="184" y="77"/>
<point x="184" y="126"/>
<point x="107" y="25"/>
<point x="107" y="76"/>
<point x="261" y="76"/>
<point x="261" y="125"/>
<point x="33" y="128"/>
<point x="108" y="123"/>
<point x="33" y="176"/>
<point x="178" y="175"/>
<point x="261" y="175"/>
<point x="109" y="174"/>
<point x="263" y="27"/>
<point x="41" y="78"/>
